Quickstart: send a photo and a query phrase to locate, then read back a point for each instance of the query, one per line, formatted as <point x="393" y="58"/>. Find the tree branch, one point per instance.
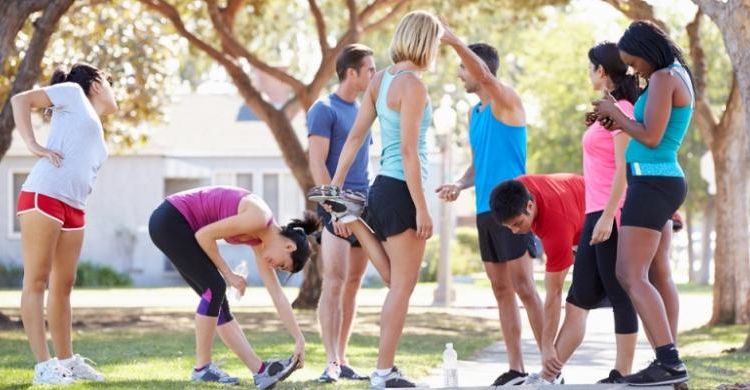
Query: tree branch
<point x="238" y="50"/>
<point x="320" y="25"/>
<point x="30" y="67"/>
<point x="379" y="23"/>
<point x="353" y="16"/>
<point x="637" y="10"/>
<point x="230" y="12"/>
<point x="704" y="117"/>
<point x="14" y="15"/>
<point x="169" y="12"/>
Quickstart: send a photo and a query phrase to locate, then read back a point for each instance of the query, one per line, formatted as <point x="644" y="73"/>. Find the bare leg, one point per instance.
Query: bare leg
<point x="205" y="327"/>
<point x="335" y="256"/>
<point x="62" y="279"/>
<point x="233" y="337"/>
<point x="357" y="267"/>
<point x="522" y="277"/>
<point x="39" y="235"/>
<point x="572" y="331"/>
<point x="660" y="275"/>
<point x="507" y="307"/>
<point x="374" y="248"/>
<point x="406" y="251"/>
<point x="636" y="249"/>
<point x="625" y="352"/>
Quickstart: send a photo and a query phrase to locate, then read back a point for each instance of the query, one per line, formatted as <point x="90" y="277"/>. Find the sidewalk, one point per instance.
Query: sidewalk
<point x="592" y="361"/>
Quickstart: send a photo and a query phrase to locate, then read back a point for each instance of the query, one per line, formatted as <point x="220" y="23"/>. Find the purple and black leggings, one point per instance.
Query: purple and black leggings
<point x="172" y="234"/>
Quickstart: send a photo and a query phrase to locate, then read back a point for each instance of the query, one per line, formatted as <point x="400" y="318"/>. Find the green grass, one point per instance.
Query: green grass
<point x="146" y="349"/>
<point x="705" y="351"/>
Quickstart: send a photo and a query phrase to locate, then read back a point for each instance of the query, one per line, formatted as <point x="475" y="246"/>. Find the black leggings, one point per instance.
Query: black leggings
<point x="172" y="234"/>
<point x="594" y="281"/>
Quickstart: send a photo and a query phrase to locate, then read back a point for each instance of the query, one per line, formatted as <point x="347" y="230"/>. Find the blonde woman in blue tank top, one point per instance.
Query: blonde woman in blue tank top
<point x="656" y="188"/>
<point x="397" y="209"/>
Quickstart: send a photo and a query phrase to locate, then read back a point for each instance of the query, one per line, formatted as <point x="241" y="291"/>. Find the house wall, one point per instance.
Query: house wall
<point x="129" y="188"/>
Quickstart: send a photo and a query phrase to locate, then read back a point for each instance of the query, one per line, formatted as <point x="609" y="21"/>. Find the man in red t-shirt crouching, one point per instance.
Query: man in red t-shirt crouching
<point x="551" y="206"/>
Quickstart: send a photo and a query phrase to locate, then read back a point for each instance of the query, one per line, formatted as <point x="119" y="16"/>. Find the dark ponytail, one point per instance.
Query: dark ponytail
<point x="646" y="40"/>
<point x="82" y="74"/>
<point x="297" y="230"/>
<point x="607" y="55"/>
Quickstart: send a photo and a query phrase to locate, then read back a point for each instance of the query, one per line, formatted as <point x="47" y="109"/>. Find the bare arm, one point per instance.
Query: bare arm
<point x="501" y="95"/>
<point x="318" y="154"/>
<point x="250" y="220"/>
<point x="412" y="109"/>
<point x="22" y="104"/>
<point x="658" y="110"/>
<point x="357" y="135"/>
<point x="280" y="301"/>
<point x="283" y="307"/>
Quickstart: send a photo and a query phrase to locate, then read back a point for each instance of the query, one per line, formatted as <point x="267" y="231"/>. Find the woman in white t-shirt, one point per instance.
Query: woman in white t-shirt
<point x="51" y="209"/>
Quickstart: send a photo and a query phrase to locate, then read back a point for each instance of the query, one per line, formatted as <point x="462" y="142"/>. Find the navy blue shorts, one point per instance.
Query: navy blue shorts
<point x="651" y="200"/>
<point x="498" y="244"/>
<point x="390" y="210"/>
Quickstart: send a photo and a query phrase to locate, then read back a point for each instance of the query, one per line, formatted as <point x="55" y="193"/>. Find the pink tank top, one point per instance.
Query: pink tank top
<point x="205" y="205"/>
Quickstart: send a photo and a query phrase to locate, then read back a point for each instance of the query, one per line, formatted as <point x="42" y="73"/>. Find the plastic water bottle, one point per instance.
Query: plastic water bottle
<point x="450" y="366"/>
<point x="240" y="269"/>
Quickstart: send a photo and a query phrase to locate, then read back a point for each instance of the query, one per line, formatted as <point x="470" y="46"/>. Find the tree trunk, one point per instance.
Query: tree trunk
<point x="28" y="71"/>
<point x="732" y="259"/>
<point x="692" y="274"/>
<point x="709" y="224"/>
<point x="309" y="292"/>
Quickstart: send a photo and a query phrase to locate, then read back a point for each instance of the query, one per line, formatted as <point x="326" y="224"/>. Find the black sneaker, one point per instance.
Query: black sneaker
<point x="349" y="373"/>
<point x="394" y="379"/>
<point x="614" y="377"/>
<point x="510" y="378"/>
<point x="658" y="374"/>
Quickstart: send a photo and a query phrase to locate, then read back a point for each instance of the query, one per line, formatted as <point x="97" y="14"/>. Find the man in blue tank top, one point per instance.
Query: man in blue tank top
<point x="497" y="134"/>
<point x="344" y="261"/>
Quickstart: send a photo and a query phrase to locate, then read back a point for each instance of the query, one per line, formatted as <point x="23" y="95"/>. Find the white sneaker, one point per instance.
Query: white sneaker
<point x="52" y="372"/>
<point x="82" y="370"/>
<point x="536" y="379"/>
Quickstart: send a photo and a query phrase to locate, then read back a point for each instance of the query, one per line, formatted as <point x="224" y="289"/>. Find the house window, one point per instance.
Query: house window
<point x="271" y="191"/>
<point x="245" y="180"/>
<point x="18" y="180"/>
<point x="172" y="186"/>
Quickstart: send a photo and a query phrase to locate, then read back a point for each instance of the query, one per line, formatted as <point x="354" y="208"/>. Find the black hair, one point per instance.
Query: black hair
<point x="508" y="200"/>
<point x="646" y="40"/>
<point x="607" y="55"/>
<point x="351" y="57"/>
<point x="82" y="74"/>
<point x="297" y="230"/>
<point x="488" y="54"/>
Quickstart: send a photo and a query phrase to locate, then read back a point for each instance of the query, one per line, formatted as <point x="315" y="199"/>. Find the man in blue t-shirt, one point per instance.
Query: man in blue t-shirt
<point x="497" y="134"/>
<point x="344" y="261"/>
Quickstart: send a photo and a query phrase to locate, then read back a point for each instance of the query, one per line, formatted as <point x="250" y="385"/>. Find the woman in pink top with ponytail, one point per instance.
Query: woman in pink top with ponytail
<point x="186" y="227"/>
<point x="594" y="282"/>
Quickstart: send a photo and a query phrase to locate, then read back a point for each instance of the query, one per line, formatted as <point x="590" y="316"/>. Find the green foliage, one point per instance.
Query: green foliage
<point x="94" y="275"/>
<point x="464" y="255"/>
<point x="118" y="37"/>
<point x="11" y="276"/>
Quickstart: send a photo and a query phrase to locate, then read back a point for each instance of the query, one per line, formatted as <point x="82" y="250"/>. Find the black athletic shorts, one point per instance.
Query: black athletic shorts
<point x="498" y="244"/>
<point x="651" y="200"/>
<point x="390" y="209"/>
<point x="325" y="219"/>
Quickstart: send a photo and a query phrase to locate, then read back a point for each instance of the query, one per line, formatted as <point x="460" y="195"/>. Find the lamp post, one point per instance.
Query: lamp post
<point x="444" y="120"/>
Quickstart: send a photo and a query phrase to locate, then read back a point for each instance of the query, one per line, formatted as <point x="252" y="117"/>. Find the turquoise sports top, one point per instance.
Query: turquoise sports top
<point x="661" y="160"/>
<point x="391" y="161"/>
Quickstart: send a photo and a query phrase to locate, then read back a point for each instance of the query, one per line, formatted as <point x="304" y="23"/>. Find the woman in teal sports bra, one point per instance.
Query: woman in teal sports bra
<point x="656" y="189"/>
<point x="397" y="209"/>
